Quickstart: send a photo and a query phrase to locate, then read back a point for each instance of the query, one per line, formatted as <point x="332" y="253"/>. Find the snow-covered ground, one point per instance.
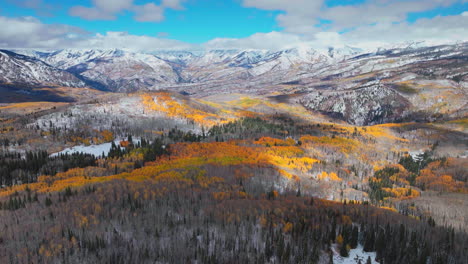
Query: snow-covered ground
<point x="95" y="150"/>
<point x="355" y="255"/>
<point x="416" y="155"/>
<point x="127" y="110"/>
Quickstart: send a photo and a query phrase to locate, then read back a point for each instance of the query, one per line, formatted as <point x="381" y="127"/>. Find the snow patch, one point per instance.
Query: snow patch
<point x="355" y="255"/>
<point x="95" y="150"/>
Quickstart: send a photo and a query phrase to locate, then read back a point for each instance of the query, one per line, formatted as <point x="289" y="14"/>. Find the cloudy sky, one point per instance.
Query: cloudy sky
<point x="249" y="24"/>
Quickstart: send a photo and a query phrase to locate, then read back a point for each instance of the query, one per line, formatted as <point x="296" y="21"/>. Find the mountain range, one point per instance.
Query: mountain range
<point x="357" y="86"/>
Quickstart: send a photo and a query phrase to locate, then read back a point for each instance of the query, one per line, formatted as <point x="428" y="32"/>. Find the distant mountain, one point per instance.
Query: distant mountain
<point x="343" y="53"/>
<point x="25" y="70"/>
<point x="113" y="69"/>
<point x="123" y="70"/>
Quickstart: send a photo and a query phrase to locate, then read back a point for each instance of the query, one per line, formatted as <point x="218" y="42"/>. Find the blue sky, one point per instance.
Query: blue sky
<point x="200" y="21"/>
<point x="197" y="22"/>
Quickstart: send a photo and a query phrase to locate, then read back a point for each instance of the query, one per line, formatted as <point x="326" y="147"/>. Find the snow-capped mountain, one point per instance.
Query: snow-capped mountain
<point x="125" y="70"/>
<point x="111" y="69"/>
<point x="343" y="53"/>
<point x="178" y="57"/>
<point x="222" y="65"/>
<point x="21" y="69"/>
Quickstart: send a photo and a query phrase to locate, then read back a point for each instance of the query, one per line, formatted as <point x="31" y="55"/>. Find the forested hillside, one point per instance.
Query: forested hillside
<point x="201" y="184"/>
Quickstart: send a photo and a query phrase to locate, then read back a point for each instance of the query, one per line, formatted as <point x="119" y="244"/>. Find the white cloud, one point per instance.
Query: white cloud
<point x="378" y="12"/>
<point x="271" y="41"/>
<point x="132" y="42"/>
<point x="39" y="6"/>
<point x="109" y="9"/>
<point x="173" y="4"/>
<point x="30" y="3"/>
<point x="289" y="6"/>
<point x="112" y="6"/>
<point x="90" y="13"/>
<point x="278" y="41"/>
<point x="149" y="13"/>
<point x="29" y="32"/>
<point x="439" y="30"/>
<point x="300" y="16"/>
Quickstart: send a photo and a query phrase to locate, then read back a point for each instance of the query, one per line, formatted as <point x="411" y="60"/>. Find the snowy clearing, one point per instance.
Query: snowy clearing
<point x="355" y="255"/>
<point x="95" y="150"/>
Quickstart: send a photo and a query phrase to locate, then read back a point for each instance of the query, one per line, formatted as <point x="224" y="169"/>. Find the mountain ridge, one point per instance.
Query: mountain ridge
<point x="430" y="80"/>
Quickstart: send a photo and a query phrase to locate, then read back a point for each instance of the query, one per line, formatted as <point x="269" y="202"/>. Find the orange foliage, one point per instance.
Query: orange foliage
<point x="344" y="144"/>
<point x="165" y="103"/>
<point x="339" y="239"/>
<point x="443" y="183"/>
<point x="107" y="135"/>
<point x="376" y="131"/>
<point x="346" y="220"/>
<point x="389" y="208"/>
<point x="325" y="176"/>
<point x="382" y="131"/>
<point x="268" y="141"/>
<point x="287" y="227"/>
<point x="124" y="144"/>
<point x="402" y="192"/>
<point x="183" y="166"/>
<point x="80" y="140"/>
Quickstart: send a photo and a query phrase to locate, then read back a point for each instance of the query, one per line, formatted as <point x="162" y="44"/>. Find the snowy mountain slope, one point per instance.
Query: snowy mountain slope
<point x="407" y="81"/>
<point x="21" y="69"/>
<point x="370" y="105"/>
<point x="344" y="52"/>
<point x="123" y="70"/>
<point x="127" y="72"/>
<point x="408" y="84"/>
<point x="112" y="69"/>
<point x="172" y="67"/>
<point x="247" y="65"/>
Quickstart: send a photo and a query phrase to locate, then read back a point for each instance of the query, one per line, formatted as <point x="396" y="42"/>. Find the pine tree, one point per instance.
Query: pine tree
<point x="369" y="240"/>
<point x="354" y="237"/>
<point x="344" y="251"/>
<point x="380" y="246"/>
<point x="48" y="202"/>
<point x="333" y="231"/>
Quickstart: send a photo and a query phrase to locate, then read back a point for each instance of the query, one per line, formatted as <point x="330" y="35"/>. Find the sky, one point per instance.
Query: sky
<point x="229" y="24"/>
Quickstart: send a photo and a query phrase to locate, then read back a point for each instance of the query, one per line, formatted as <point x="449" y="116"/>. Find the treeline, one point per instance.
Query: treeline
<point x="150" y="149"/>
<point x="249" y="127"/>
<point x="15" y="169"/>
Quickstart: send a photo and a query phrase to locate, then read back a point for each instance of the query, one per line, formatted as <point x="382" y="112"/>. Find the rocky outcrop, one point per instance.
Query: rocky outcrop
<point x="363" y="106"/>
